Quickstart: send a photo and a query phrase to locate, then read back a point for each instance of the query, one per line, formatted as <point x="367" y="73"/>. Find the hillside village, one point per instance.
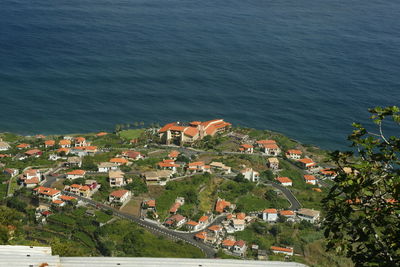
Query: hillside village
<point x="239" y="192"/>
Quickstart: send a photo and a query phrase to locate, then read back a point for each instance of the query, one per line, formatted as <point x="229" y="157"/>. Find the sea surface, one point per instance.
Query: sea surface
<point x="305" y="68"/>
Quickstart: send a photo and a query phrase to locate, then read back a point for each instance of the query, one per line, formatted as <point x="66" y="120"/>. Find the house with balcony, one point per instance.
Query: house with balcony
<point x="294" y="154"/>
<point x="116" y="178"/>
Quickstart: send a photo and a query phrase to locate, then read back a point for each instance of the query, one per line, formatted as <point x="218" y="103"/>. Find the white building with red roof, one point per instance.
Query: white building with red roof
<point x="308" y="163"/>
<point x="47" y="193"/>
<point x="75" y="174"/>
<point x="294" y="154"/>
<point x="310" y="179"/>
<point x="285" y="181"/>
<point x="281" y="250"/>
<point x="239" y="248"/>
<point x="119" y="196"/>
<point x="246" y="148"/>
<point x="270" y="215"/>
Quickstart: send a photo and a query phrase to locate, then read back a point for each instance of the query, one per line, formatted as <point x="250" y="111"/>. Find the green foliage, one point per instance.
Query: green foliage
<point x="138" y="186"/>
<point x="89" y="164"/>
<point x="131" y="134"/>
<point x="361" y="222"/>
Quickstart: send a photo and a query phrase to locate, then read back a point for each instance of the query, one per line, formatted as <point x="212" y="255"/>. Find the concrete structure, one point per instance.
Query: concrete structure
<point x="116" y="178"/>
<point x="251" y="175"/>
<point x="18" y="256"/>
<point x="273" y="163"/>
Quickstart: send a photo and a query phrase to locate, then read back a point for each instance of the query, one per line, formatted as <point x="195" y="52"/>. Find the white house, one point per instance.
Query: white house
<point x="309" y="215"/>
<point x="106" y="167"/>
<point x="192" y="225"/>
<point x="116" y="178"/>
<point x="168" y="164"/>
<point x="47" y="193"/>
<point x="272" y="149"/>
<point x="119" y="196"/>
<point x="250" y="175"/>
<point x="285" y="181"/>
<point x="280" y="250"/>
<point x="310" y="179"/>
<point x="239" y="248"/>
<point x="246" y="148"/>
<point x="238" y="224"/>
<point x="294" y="154"/>
<point x="270" y="215"/>
<point x="75" y="174"/>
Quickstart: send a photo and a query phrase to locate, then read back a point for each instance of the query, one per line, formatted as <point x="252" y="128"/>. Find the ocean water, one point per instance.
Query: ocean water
<point x="304" y="68"/>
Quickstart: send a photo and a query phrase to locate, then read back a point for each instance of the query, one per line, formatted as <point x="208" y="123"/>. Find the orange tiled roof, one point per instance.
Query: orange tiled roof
<point x="306" y="161"/>
<point x="283" y="180"/>
<point x="240" y="243"/>
<point x="66" y="150"/>
<point x="191" y="131"/>
<point x="201" y="235"/>
<point x="23" y="145"/>
<point x="309" y="177"/>
<point x="34" y="180"/>
<point x="271" y="146"/>
<point x="174" y="208"/>
<point x="58" y="202"/>
<point x="241" y="216"/>
<point x="196" y="163"/>
<point x="228" y="243"/>
<point x="221" y="205"/>
<point x="119" y="193"/>
<point x="286" y="213"/>
<point x="327" y="172"/>
<point x="101" y="134"/>
<point x="247" y="146"/>
<point x="67" y="198"/>
<point x="76" y="172"/>
<point x="119" y="160"/>
<point x="47" y="191"/>
<point x="270" y="211"/>
<point x="173" y="154"/>
<point x="282" y="249"/>
<point x="214" y="228"/>
<point x="262" y="142"/>
<point x="33" y="152"/>
<point x="294" y="151"/>
<point x="64" y="142"/>
<point x="80" y="139"/>
<point x="203" y="219"/>
<point x="193" y="223"/>
<point x="151" y="203"/>
<point x="49" y="142"/>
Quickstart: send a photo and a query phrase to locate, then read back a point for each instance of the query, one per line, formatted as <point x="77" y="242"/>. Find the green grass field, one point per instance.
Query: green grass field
<point x="131" y="134"/>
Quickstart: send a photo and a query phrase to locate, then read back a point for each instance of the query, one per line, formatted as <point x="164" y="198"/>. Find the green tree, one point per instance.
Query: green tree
<point x="362" y="208"/>
<point x="89" y="164"/>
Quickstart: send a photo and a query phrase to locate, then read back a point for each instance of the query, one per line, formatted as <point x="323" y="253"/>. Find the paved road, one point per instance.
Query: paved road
<point x="294" y="203"/>
<point x="186" y="237"/>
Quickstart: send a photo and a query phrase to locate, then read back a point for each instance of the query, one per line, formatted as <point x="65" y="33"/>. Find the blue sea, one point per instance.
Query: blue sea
<point x="305" y="68"/>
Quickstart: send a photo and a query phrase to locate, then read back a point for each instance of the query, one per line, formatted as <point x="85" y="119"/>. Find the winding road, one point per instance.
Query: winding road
<point x="155" y="228"/>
